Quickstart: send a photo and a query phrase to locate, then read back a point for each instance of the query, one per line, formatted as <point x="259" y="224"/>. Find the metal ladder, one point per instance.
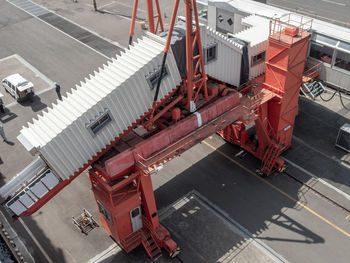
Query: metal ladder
<point x="150" y="244"/>
<point x="270" y="157"/>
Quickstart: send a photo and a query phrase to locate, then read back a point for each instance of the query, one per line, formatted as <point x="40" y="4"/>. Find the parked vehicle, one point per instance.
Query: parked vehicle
<point x="20" y="88"/>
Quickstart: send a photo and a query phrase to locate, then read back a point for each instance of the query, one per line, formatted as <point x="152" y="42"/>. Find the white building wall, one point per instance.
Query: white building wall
<point x="258" y="69"/>
<point x="227" y="65"/>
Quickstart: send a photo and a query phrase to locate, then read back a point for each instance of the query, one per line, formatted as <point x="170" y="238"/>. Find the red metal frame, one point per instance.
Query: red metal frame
<point x="196" y="80"/>
<point x="122" y="183"/>
<point x="275" y="99"/>
<point x="152" y="27"/>
<point x="123" y="180"/>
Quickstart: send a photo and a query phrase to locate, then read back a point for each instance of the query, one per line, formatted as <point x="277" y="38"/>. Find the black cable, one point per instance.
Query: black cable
<point x="326" y="100"/>
<point x="341" y="101"/>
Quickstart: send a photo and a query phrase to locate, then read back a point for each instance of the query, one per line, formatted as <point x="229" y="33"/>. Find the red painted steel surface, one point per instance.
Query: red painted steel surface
<point x="274" y="100"/>
<point x="285" y="65"/>
<point x="118" y="164"/>
<point x="123" y="183"/>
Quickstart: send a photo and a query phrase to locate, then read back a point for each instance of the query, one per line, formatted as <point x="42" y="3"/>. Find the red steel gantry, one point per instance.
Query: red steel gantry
<point x="200" y="106"/>
<point x="121" y="179"/>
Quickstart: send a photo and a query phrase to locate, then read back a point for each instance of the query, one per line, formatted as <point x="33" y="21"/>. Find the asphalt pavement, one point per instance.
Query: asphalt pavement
<point x="57" y="56"/>
<point x="292" y="220"/>
<point x="336" y="11"/>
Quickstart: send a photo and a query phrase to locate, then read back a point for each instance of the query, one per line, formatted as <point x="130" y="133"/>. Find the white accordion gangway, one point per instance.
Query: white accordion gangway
<point x="92" y="116"/>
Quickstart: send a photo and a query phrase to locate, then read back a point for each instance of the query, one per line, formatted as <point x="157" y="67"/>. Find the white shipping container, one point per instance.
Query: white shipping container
<point x="256" y="35"/>
<point x="226" y="66"/>
<point x="101" y="108"/>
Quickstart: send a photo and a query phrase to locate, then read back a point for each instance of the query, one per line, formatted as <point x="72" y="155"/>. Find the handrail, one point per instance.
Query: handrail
<point x="311" y="71"/>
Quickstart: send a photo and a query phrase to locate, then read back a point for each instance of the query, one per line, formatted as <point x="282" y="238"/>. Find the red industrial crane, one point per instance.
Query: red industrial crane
<point x="121" y="179"/>
<point x="120" y="174"/>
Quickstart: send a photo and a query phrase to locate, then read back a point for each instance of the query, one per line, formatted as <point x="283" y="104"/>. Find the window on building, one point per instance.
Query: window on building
<point x="342" y="60"/>
<point x="153" y="77"/>
<point x="344" y="45"/>
<point x="321" y="52"/>
<point x="258" y="58"/>
<point x="210" y="53"/>
<point x="103" y="211"/>
<point x="100" y="122"/>
<point x="324" y="39"/>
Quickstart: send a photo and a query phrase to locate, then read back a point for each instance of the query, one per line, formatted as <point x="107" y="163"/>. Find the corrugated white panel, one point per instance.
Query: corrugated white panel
<point x="119" y="89"/>
<point x="257" y="32"/>
<point x="256" y="35"/>
<point x="227" y="65"/>
<point x="257" y="69"/>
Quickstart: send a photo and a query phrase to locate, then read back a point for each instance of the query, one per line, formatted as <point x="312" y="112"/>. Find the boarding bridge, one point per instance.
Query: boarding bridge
<point x="76" y="131"/>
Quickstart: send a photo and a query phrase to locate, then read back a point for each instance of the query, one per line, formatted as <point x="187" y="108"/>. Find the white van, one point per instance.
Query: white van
<point x="20" y="88"/>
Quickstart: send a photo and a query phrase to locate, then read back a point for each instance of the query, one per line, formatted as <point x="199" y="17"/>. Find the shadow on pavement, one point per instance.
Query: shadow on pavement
<point x="240" y="195"/>
<point x="2" y="177"/>
<point x="56" y="254"/>
<point x="35" y="104"/>
<point x="7" y="116"/>
<point x="313" y="146"/>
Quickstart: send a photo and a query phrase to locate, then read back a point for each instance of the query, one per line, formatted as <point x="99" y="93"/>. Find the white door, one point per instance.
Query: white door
<point x="136" y="220"/>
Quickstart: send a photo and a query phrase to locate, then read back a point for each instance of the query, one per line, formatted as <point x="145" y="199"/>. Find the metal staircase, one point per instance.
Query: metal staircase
<point x="270" y="157"/>
<point x="313" y="89"/>
<point x="149" y="244"/>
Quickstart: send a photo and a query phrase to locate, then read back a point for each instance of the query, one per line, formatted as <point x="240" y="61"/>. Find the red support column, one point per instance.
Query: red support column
<point x="150" y="15"/>
<point x="148" y="201"/>
<point x="285" y="63"/>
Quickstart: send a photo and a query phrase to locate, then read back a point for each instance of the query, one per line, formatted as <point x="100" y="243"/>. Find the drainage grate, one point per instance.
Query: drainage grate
<point x="30" y="7"/>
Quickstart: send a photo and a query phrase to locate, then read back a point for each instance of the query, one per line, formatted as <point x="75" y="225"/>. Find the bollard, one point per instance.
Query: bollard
<point x="95" y="5"/>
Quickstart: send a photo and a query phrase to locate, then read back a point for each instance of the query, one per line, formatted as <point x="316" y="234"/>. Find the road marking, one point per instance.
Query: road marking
<point x="98" y="52"/>
<point x="91" y="31"/>
<point x="111" y="3"/>
<point x="35" y="241"/>
<point x="348" y="217"/>
<point x="333" y="2"/>
<point x="178" y="236"/>
<point x="317" y="178"/>
<point x="108" y="253"/>
<point x="309" y="13"/>
<point x="33" y="70"/>
<point x="279" y="190"/>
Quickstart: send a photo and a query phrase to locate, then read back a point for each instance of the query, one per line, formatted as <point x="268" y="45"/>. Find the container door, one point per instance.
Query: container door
<point x="136" y="220"/>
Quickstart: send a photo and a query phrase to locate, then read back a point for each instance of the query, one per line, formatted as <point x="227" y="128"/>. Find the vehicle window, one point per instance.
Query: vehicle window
<point x="23" y="83"/>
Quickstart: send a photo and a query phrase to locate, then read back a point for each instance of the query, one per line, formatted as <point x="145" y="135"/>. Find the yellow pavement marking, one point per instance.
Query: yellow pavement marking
<point x="279" y="190"/>
<point x="348" y="217"/>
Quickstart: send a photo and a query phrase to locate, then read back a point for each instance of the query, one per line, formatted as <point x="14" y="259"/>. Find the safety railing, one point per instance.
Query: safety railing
<point x="312" y="72"/>
<point x="287" y="26"/>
